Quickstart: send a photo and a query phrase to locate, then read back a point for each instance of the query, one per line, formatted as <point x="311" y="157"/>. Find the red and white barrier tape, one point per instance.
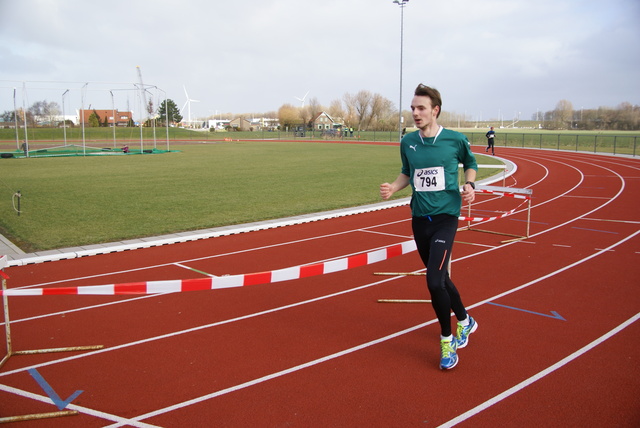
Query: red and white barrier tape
<point x="230" y="281"/>
<point x="509" y="195"/>
<point x="508" y="213"/>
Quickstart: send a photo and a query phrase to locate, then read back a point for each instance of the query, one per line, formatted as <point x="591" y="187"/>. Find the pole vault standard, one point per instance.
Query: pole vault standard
<point x="11" y="352"/>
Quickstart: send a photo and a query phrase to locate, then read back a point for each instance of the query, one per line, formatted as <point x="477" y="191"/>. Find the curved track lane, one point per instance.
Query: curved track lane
<point x="555" y="314"/>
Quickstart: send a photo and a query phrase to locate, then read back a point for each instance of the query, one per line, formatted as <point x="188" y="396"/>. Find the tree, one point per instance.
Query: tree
<point x="9" y="116"/>
<point x="350" y="116"/>
<point x="369" y="111"/>
<point x="381" y="113"/>
<point x="44" y="111"/>
<point x="564" y="114"/>
<point x="625" y="118"/>
<point x="94" y="120"/>
<point x="336" y="110"/>
<point x="362" y="104"/>
<point x="150" y="114"/>
<point x="314" y="108"/>
<point x="168" y="108"/>
<point x="288" y="116"/>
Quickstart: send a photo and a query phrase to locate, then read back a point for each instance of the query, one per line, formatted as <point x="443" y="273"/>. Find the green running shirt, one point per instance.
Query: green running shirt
<point x="432" y="167"/>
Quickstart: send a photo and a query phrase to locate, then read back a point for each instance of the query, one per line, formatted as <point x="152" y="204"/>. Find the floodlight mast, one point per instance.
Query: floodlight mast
<point x="143" y="119"/>
<point x="143" y="96"/>
<point x="24" y="112"/>
<point x="64" y="119"/>
<point x="15" y="119"/>
<point x="402" y="4"/>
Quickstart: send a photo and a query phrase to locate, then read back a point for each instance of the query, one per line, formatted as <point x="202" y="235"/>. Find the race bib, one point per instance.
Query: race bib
<point x="429" y="179"/>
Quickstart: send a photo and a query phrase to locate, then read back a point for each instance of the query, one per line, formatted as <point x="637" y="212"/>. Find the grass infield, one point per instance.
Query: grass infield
<point x="77" y="201"/>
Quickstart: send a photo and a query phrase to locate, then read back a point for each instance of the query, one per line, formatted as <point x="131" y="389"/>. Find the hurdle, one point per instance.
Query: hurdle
<point x="512" y="192"/>
<point x="11" y="352"/>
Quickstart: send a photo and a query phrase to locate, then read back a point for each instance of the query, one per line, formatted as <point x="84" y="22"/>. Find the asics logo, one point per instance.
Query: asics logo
<point x="440" y="241"/>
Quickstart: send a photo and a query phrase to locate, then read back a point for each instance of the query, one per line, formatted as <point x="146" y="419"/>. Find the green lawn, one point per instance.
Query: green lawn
<point x="87" y="200"/>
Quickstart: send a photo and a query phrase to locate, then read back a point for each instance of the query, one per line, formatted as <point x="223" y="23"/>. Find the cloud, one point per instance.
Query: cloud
<point x="255" y="55"/>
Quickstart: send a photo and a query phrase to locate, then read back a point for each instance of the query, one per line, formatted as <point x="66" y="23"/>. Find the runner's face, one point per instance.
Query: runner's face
<point x="424" y="115"/>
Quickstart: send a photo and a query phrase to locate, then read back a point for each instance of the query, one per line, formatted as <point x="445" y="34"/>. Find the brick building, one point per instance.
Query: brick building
<point x="120" y="118"/>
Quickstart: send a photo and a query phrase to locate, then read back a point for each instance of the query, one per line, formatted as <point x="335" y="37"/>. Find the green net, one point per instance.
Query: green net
<point x="79" y="150"/>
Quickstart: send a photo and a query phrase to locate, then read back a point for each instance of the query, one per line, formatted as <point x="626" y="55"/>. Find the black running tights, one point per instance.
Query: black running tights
<point x="434" y="237"/>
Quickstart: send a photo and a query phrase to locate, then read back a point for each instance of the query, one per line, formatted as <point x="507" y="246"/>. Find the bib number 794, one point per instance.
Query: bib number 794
<point x="429" y="179"/>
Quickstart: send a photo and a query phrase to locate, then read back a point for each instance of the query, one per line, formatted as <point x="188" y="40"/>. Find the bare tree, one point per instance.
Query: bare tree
<point x="304" y="114"/>
<point x="288" y="116"/>
<point x="315" y="108"/>
<point x="350" y="117"/>
<point x="381" y="112"/>
<point x="336" y="110"/>
<point x="564" y="113"/>
<point x="358" y="108"/>
<point x="44" y="111"/>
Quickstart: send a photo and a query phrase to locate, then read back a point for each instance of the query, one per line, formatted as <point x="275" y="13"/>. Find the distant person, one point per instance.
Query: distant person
<point x="491" y="136"/>
<point x="125" y="149"/>
<point x="430" y="158"/>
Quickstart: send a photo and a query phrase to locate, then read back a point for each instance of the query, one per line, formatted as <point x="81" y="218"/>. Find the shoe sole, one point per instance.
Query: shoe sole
<point x="449" y="368"/>
<point x="474" y="328"/>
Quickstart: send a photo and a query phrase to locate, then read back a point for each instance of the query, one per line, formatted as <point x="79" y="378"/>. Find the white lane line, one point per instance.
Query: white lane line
<point x="122" y="346"/>
<point x="304" y="365"/>
<point x="79" y="409"/>
<point x="230" y="253"/>
<point x="517" y="388"/>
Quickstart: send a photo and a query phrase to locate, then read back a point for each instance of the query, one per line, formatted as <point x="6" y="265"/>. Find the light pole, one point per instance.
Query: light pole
<point x="64" y="119"/>
<point x="401" y="3"/>
<point x="113" y="115"/>
<point x="24" y="112"/>
<point x="84" y="142"/>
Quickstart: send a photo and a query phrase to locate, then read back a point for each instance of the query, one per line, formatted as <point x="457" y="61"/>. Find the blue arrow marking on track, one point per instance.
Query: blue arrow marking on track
<point x="555" y="314"/>
<point x="60" y="404"/>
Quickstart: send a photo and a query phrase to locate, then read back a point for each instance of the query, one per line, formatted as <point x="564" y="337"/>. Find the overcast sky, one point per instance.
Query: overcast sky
<point x="487" y="57"/>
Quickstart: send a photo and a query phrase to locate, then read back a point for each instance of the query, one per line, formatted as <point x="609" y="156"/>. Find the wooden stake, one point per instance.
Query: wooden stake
<point x="400" y="273"/>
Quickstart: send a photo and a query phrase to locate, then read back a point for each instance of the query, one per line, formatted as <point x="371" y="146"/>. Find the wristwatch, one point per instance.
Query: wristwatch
<point x="473" y="185"/>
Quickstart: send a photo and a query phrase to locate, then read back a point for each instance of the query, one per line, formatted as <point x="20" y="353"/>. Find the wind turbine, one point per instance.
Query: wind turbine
<point x="188" y="105"/>
<point x="302" y="99"/>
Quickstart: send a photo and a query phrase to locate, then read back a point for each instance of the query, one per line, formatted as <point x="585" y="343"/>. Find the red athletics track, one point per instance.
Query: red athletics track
<point x="555" y="346"/>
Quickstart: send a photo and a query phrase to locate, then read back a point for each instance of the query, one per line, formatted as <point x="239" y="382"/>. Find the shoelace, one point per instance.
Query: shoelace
<point x="463" y="331"/>
<point x="446" y="348"/>
<point x="460" y="330"/>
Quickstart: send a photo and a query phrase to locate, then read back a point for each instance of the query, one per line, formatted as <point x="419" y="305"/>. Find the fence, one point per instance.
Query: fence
<point x="604" y="142"/>
<point x="596" y="143"/>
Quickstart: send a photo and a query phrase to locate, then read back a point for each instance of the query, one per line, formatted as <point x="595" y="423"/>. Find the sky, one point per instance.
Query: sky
<point x="490" y="59"/>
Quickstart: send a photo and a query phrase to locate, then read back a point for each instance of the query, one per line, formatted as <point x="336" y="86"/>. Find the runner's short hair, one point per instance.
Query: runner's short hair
<point x="432" y="93"/>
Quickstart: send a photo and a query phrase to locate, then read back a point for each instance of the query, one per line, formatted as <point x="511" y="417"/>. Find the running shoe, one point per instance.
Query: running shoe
<point x="463" y="332"/>
<point x="448" y="356"/>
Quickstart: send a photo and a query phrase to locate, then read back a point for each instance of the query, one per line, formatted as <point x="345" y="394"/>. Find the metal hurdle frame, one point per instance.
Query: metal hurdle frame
<point x="526" y="193"/>
<point x="11" y="352"/>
